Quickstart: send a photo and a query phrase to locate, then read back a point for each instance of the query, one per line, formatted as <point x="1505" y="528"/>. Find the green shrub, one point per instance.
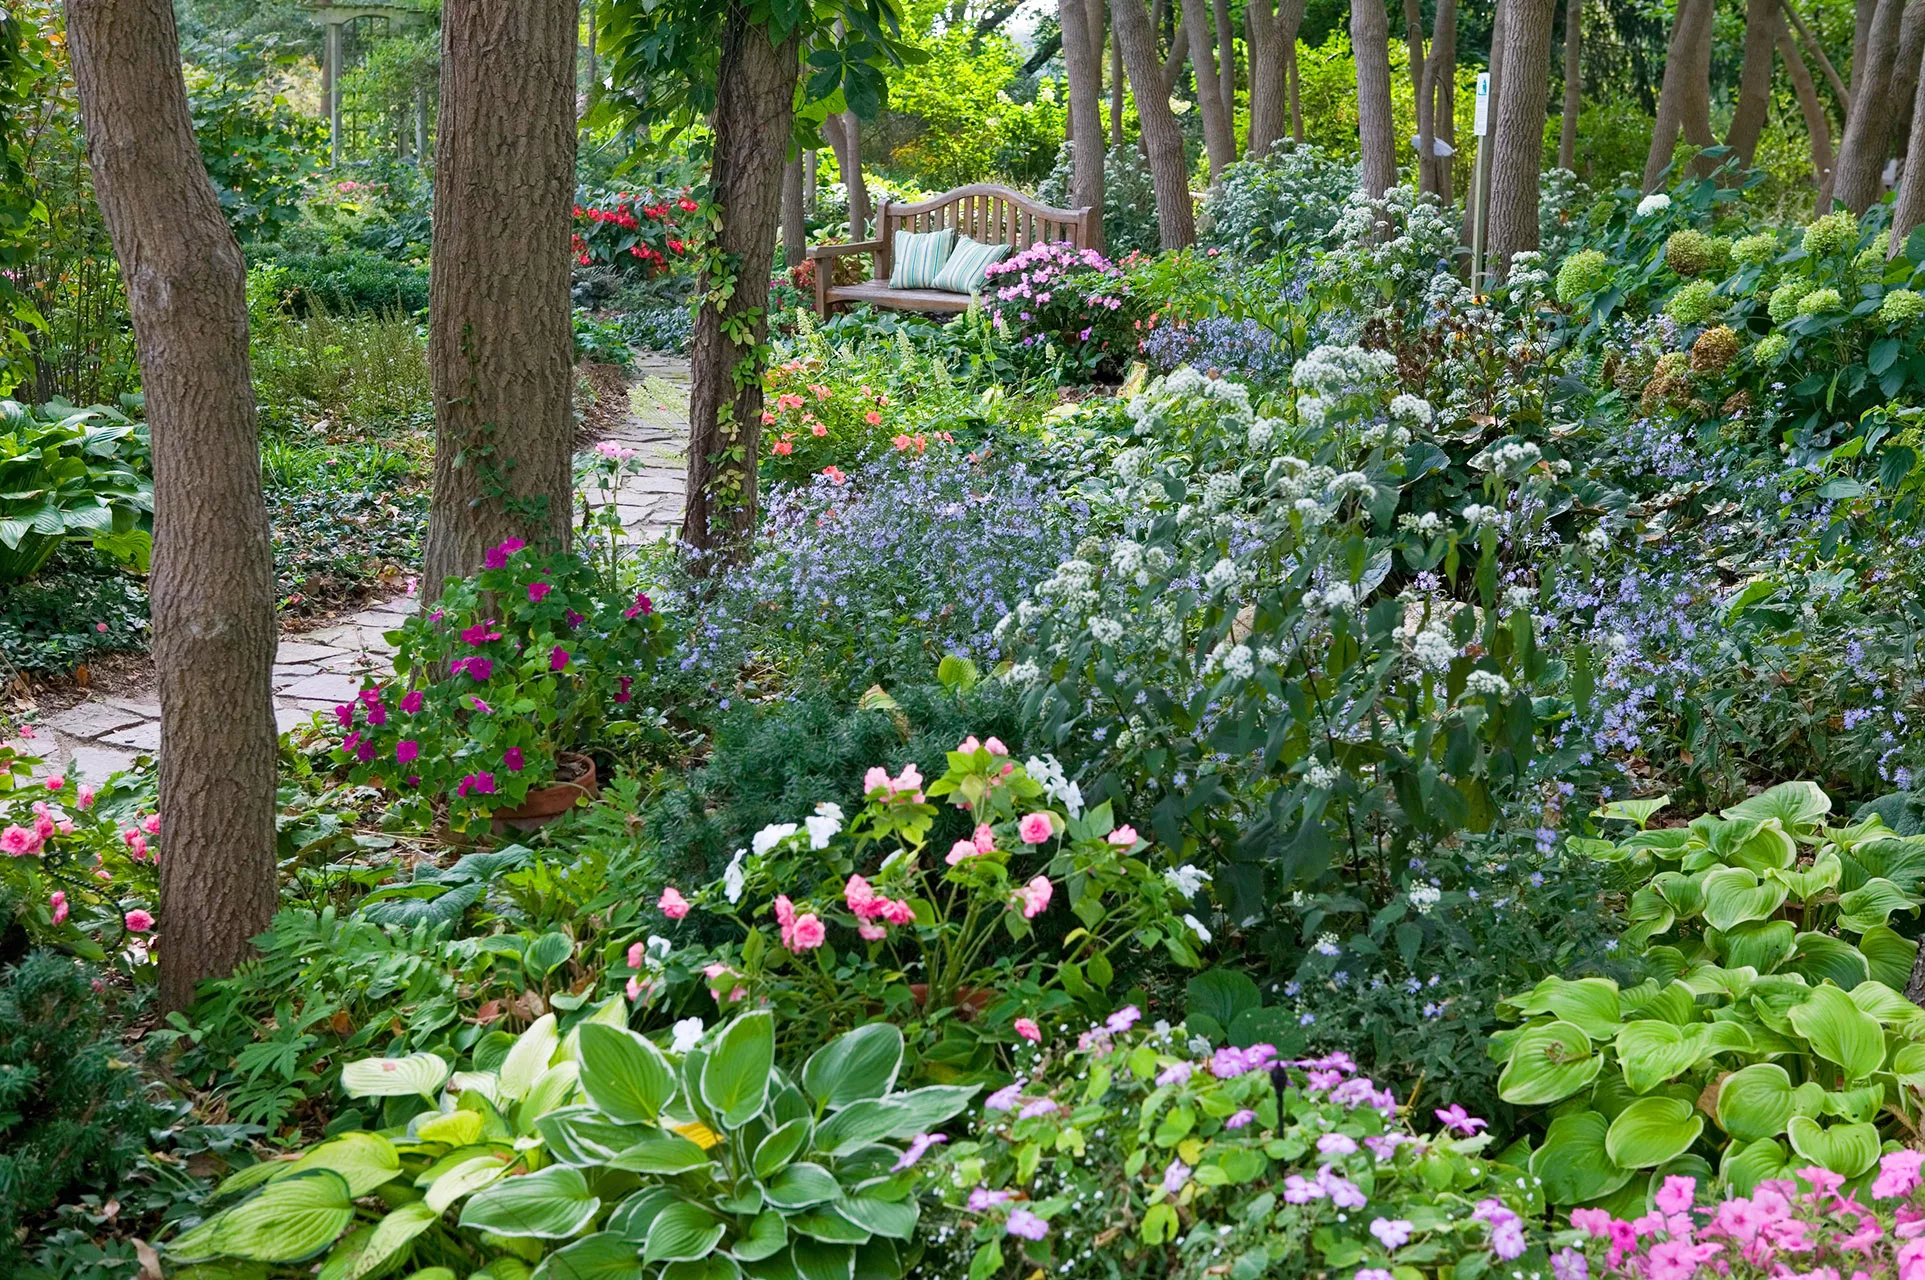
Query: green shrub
<point x="1129" y="199"/>
<point x="67" y="472"/>
<point x="1287" y="201"/>
<point x="72" y="1113"/>
<point x="343" y="280"/>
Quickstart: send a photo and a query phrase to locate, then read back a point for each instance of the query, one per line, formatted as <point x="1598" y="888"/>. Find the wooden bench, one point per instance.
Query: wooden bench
<point x="984" y="212"/>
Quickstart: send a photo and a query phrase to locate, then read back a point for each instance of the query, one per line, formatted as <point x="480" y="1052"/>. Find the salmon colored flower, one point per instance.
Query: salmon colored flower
<point x="672" y="903"/>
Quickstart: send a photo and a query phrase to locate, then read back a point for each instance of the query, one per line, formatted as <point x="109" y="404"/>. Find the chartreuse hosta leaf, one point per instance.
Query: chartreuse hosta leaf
<point x="860" y="1065"/>
<point x="1572" y="1162"/>
<point x="1638" y="811"/>
<point x="551" y="1204"/>
<point x="1651" y="1131"/>
<point x="364" y="1160"/>
<point x="528" y="1060"/>
<point x="1746" y="1164"/>
<point x="602" y="1256"/>
<point x="1548" y="1063"/>
<point x="1872" y="904"/>
<point x="1761" y="945"/>
<point x="1840" y="1032"/>
<point x="463" y="1179"/>
<point x="391" y="1235"/>
<point x="624" y="1075"/>
<point x="289" y="1221"/>
<point x="1755" y="1102"/>
<point x="1820" y="957"/>
<point x="1589" y="1003"/>
<point x="1796" y="805"/>
<point x="1890" y="1008"/>
<point x="1821" y="875"/>
<point x="1734" y="896"/>
<point x="1848" y="1149"/>
<point x="735" y="1076"/>
<point x="1888" y="955"/>
<point x="455" y="1128"/>
<point x="422" y="1073"/>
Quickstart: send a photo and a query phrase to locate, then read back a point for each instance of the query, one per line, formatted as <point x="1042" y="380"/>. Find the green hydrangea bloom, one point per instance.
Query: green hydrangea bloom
<point x="1694" y="303"/>
<point x="1785" y="299"/>
<point x="1820" y="300"/>
<point x="1756" y="251"/>
<point x="1833" y="233"/>
<point x="1770" y="349"/>
<point x="1583" y="274"/>
<point x="1901" y="306"/>
<point x="1714" y="349"/>
<point x="1689" y="253"/>
<point x="1873" y="257"/>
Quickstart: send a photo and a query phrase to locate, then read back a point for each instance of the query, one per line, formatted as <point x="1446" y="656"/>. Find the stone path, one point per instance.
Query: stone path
<point x="314" y="670"/>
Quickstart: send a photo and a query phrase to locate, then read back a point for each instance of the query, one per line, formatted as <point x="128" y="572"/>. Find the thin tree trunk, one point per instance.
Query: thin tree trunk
<point x="501" y="342"/>
<point x="212" y="585"/>
<point x="1116" y="89"/>
<point x="1911" y="47"/>
<point x="795" y="227"/>
<point x="754" y="114"/>
<point x="1864" y="14"/>
<point x="1817" y="50"/>
<point x="1084" y="63"/>
<point x="1697" y="101"/>
<point x="1518" y="151"/>
<point x="1817" y="124"/>
<point x="1443" y="91"/>
<point x="1226" y="66"/>
<point x="1675" y="93"/>
<point x="1863" y="149"/>
<point x="594" y="92"/>
<point x="1573" y="83"/>
<point x="845" y="139"/>
<point x="1296" y="93"/>
<point x="1178" y="55"/>
<point x="1130" y="28"/>
<point x="1217" y="140"/>
<point x="1754" y="80"/>
<point x="1370" y="41"/>
<point x="1909" y="209"/>
<point x="1269" y="77"/>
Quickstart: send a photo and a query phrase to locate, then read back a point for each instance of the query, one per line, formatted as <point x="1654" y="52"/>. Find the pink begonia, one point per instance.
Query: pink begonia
<point x="672" y="903"/>
<point x="808" y="933"/>
<point x="1035" y="828"/>
<point x="139" y="921"/>
<point x="55" y="782"/>
<point x="861" y="897"/>
<point x="59" y="904"/>
<point x="1124" y="836"/>
<point x="136" y="844"/>
<point x="898" y="911"/>
<point x="1028" y="1030"/>
<point x="1035" y="896"/>
<point x="962" y="851"/>
<point x="151" y="824"/>
<point x="637" y="952"/>
<point x="84" y="798"/>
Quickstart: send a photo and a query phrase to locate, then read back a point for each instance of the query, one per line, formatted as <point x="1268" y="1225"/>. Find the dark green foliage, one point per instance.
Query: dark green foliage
<point x="345" y="522"/>
<point x="55" y="620"/>
<point x="346" y="280"/>
<point x="72" y="1115"/>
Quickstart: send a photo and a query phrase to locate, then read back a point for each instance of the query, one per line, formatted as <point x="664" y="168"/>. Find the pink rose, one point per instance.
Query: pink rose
<point x="59" y="904"/>
<point x="139" y="921"/>
<point x="151" y="824"/>
<point x="85" y="798"/>
<point x="1124" y="836"/>
<point x="1035" y="828"/>
<point x="1036" y="895"/>
<point x="808" y="933"/>
<point x="672" y="903"/>
<point x="961" y="850"/>
<point x="860" y="896"/>
<point x="55" y="782"/>
<point x="1028" y="1030"/>
<point x="898" y="912"/>
<point x="983" y="837"/>
<point x="872" y="932"/>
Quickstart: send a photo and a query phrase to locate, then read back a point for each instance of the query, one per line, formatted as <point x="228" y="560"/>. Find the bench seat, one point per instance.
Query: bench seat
<point x="877" y="293"/>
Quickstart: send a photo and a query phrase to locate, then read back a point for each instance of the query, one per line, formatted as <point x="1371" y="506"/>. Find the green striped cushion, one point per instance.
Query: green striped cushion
<point x="919" y="257"/>
<point x="967" y="265"/>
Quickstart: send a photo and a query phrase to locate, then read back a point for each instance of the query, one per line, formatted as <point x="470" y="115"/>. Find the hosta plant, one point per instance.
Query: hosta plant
<point x="595" y="1153"/>
<point x="1762" y="1043"/>
<point x="67" y="472"/>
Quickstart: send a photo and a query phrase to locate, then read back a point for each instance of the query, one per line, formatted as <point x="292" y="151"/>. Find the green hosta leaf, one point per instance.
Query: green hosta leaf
<point x="1891" y="1009"/>
<point x="802" y="1185"/>
<point x="422" y="1073"/>
<point x="552" y="1089"/>
<point x="1755" y="1102"/>
<point x="1548" y="1063"/>
<point x="364" y="1160"/>
<point x="780" y="1147"/>
<point x="552" y="1204"/>
<point x="633" y="1216"/>
<point x="1684" y="894"/>
<point x="1821" y="957"/>
<point x="1847" y="1149"/>
<point x="767" y="1236"/>
<point x="391" y="1236"/>
<point x="624" y="1075"/>
<point x="1872" y="904"/>
<point x="585" y="1137"/>
<point x="1572" y="1161"/>
<point x="1889" y="955"/>
<point x="667" y="1154"/>
<point x="735" y="1078"/>
<point x="859" y="1065"/>
<point x="921" y="1110"/>
<point x="1651" y="1131"/>
<point x="1746" y="1164"/>
<point x="1733" y="896"/>
<point x="1839" y="1031"/>
<point x="818" y="1260"/>
<point x="289" y="1221"/>
<point x="528" y="1060"/>
<point x="602" y="1256"/>
<point x="1651" y="1052"/>
<point x="1860" y="1105"/>
<point x="1760" y="944"/>
<point x="826" y="1223"/>
<point x="716" y="1266"/>
<point x="1807" y="884"/>
<point x="1638" y="811"/>
<point x="464" y="1179"/>
<point x="1589" y="1003"/>
<point x="681" y="1232"/>
<point x="1794" y="804"/>
<point x="546" y="954"/>
<point x="895" y="1219"/>
<point x="856" y="1126"/>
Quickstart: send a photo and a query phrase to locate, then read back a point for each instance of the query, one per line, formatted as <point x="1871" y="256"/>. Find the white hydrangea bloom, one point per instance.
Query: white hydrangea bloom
<point x="1656" y="202"/>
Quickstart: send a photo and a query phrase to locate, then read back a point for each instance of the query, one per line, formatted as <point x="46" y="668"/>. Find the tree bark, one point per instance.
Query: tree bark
<point x="501" y="341"/>
<point x="1217" y="140"/>
<point x="1697" y="101"/>
<point x="1130" y="28"/>
<point x="1911" y="46"/>
<point x="1226" y="67"/>
<point x="754" y="114"/>
<point x="1863" y="149"/>
<point x="1518" y="148"/>
<point x="212" y="585"/>
<point x="1817" y="124"/>
<point x="1370" y="41"/>
<point x="1267" y="78"/>
<point x="1178" y="55"/>
<point x="1754" y="80"/>
<point x="1817" y="50"/>
<point x="1116" y="87"/>
<point x="1084" y="63"/>
<point x="1436" y="103"/>
<point x="1909" y="210"/>
<point x="1296" y="92"/>
<point x="795" y="227"/>
<point x="845" y="139"/>
<point x="1574" y="83"/>
<point x="1674" y="95"/>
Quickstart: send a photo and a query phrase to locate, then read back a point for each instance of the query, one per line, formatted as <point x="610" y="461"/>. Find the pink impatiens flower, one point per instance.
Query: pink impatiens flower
<point x="19" y="842"/>
<point x="1028" y="1030"/>
<point x="557" y="658"/>
<point x="672" y="903"/>
<point x="139" y="921"/>
<point x="537" y="590"/>
<point x="1124" y="836"/>
<point x="477" y="784"/>
<point x="412" y="703"/>
<point x="642" y="605"/>
<point x="59" y="904"/>
<point x="1035" y="828"/>
<point x="512" y="758"/>
<point x="497" y="557"/>
<point x="406" y="751"/>
<point x="55" y="782"/>
<point x="1035" y="897"/>
<point x="961" y="851"/>
<point x="637" y="952"/>
<point x="808" y="933"/>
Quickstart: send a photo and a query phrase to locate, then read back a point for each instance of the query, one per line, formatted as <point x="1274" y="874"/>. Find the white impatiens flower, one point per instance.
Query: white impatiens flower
<point x="658" y="948"/>
<point x="1196" y="927"/>
<point x="772" y="835"/>
<point x="688" y="1034"/>
<point x="1045" y="771"/>
<point x="823" y="825"/>
<point x="735" y="876"/>
<point x="1656" y="202"/>
<point x="1187" y="879"/>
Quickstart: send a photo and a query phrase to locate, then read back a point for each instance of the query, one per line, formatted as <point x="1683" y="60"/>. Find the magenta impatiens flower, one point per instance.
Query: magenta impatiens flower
<point x="642" y="605"/>
<point x="476" y="784"/>
<point x="479" y="635"/>
<point x="513" y="759"/>
<point x="139" y="921"/>
<point x="412" y="703"/>
<point x="537" y="590"/>
<point x="406" y="751"/>
<point x="497" y="557"/>
<point x="481" y="668"/>
<point x="557" y="658"/>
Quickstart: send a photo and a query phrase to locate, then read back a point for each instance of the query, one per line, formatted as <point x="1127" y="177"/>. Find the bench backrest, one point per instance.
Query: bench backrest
<point x="986" y="213"/>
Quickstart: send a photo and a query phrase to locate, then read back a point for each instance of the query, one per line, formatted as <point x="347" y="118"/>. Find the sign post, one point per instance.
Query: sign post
<point x="1480" y="184"/>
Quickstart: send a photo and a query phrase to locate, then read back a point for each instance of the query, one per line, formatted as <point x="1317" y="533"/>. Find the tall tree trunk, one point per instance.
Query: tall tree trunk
<point x="1267" y="77"/>
<point x="1573" y="83"/>
<point x="1370" y="41"/>
<point x="795" y="227"/>
<point x="1817" y="124"/>
<point x="1911" y="47"/>
<point x="1697" y="102"/>
<point x="594" y="90"/>
<point x="1116" y="86"/>
<point x="1909" y="209"/>
<point x="754" y="114"/>
<point x="1217" y="139"/>
<point x="1414" y="50"/>
<point x="1441" y="75"/>
<point x="1178" y="55"/>
<point x="845" y="139"/>
<point x="1226" y="66"/>
<point x="501" y="342"/>
<point x="1864" y="14"/>
<point x="1130" y="28"/>
<point x="1517" y="154"/>
<point x="1754" y="80"/>
<point x="1693" y="21"/>
<point x="1817" y="51"/>
<point x="1084" y="62"/>
<point x="1863" y="149"/>
<point x="1296" y="92"/>
<point x="212" y="586"/>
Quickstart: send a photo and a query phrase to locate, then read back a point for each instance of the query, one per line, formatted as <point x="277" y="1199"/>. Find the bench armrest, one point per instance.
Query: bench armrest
<point x="844" y="250"/>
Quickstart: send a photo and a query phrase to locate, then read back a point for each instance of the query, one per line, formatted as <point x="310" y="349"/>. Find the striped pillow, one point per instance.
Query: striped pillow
<point x="968" y="265"/>
<point x="919" y="257"/>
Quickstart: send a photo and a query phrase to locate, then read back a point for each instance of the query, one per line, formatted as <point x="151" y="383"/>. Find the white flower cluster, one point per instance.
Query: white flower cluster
<point x="1511" y="458"/>
<point x="1424" y="897"/>
<point x="1221" y="575"/>
<point x="1475" y="515"/>
<point x="1656" y="202"/>
<point x="1486" y="683"/>
<point x="1408" y="408"/>
<point x="1105" y="630"/>
<point x="1321" y="776"/>
<point x="1187" y="879"/>
<point x="1429" y="523"/>
<point x="1049" y="774"/>
<point x="1433" y="649"/>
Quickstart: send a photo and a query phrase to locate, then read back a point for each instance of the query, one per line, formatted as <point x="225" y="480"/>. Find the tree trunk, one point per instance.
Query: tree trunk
<point x="1370" y="40"/>
<point x="1178" y="55"/>
<point x="1226" y="67"/>
<point x="1674" y="95"/>
<point x="1754" y="80"/>
<point x="1697" y="102"/>
<point x="1909" y="210"/>
<point x="1863" y="149"/>
<point x="795" y="227"/>
<point x="594" y="90"/>
<point x="1864" y="14"/>
<point x="1518" y="148"/>
<point x="1574" y="83"/>
<point x="212" y="585"/>
<point x="1442" y="77"/>
<point x="1817" y="124"/>
<point x="1911" y="46"/>
<point x="754" y="114"/>
<point x="1817" y="50"/>
<point x="1296" y="92"/>
<point x="1217" y="139"/>
<point x="1130" y="28"/>
<point x="501" y="342"/>
<point x="845" y="139"/>
<point x="1267" y="78"/>
<point x="1116" y="86"/>
<point x="1084" y="63"/>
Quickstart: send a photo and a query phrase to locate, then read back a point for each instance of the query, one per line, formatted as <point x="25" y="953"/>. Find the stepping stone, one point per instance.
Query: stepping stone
<point x="144" y="736"/>
<point x="293" y="651"/>
<point x="95" y="764"/>
<point x="144" y="708"/>
<point x="286" y="718"/>
<point x="331" y="686"/>
<point x="93" y="719"/>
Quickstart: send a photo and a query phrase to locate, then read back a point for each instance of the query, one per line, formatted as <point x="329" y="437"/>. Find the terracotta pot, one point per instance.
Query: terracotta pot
<point x="970" y="1001"/>
<point x="545" y="804"/>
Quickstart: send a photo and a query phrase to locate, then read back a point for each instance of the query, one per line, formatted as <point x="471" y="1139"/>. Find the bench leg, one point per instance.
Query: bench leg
<point x="824" y="268"/>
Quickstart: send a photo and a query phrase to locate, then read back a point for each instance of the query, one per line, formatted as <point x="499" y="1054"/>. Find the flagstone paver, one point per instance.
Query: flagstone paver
<point x="314" y="670"/>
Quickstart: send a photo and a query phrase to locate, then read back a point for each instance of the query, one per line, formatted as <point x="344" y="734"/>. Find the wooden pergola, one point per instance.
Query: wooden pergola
<point x="334" y="18"/>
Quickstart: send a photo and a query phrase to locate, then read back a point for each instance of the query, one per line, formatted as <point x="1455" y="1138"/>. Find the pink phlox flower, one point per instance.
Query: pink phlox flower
<point x="1676" y="1195"/>
<point x="1336" y="1144"/>
<point x="918" y="1145"/>
<point x="672" y="903"/>
<point x="1392" y="1233"/>
<point x="1898" y="1174"/>
<point x="1240" y="1118"/>
<point x="982" y="1199"/>
<point x="1037" y="1107"/>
